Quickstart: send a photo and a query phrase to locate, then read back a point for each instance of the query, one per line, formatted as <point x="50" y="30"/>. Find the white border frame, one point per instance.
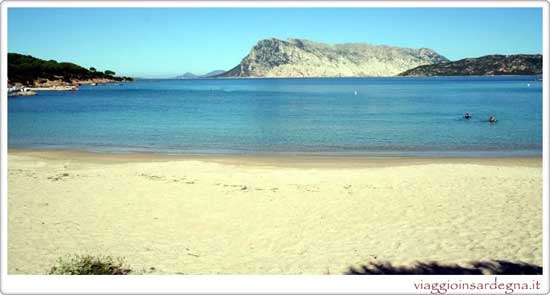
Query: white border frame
<point x="232" y="284"/>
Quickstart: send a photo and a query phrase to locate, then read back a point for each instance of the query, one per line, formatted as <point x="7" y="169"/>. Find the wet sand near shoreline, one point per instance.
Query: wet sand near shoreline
<point x="275" y="159"/>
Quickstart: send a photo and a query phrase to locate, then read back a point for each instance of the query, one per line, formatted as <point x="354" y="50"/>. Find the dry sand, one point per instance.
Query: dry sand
<point x="270" y="215"/>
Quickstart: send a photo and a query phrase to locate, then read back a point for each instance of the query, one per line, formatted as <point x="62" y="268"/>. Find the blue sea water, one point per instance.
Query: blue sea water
<point x="379" y="116"/>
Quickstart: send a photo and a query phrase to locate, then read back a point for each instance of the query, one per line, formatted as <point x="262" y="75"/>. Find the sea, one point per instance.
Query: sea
<point x="397" y="116"/>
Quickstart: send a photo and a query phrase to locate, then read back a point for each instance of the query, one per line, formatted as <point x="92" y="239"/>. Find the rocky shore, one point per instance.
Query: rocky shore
<point x="18" y="89"/>
<point x="60" y="84"/>
<point x="22" y="93"/>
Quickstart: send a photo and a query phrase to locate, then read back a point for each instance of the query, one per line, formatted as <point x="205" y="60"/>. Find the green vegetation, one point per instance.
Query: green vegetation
<point x="489" y="65"/>
<point x="26" y="69"/>
<point x="89" y="265"/>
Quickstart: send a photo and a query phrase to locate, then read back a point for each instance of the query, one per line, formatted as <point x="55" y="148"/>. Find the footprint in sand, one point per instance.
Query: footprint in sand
<point x="241" y="187"/>
<point x="152" y="177"/>
<point x="58" y="177"/>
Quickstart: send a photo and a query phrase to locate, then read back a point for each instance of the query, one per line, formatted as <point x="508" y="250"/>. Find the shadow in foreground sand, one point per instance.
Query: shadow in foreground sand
<point x="495" y="267"/>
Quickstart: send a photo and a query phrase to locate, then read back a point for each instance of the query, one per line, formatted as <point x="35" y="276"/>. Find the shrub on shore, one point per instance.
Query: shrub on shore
<point x="89" y="265"/>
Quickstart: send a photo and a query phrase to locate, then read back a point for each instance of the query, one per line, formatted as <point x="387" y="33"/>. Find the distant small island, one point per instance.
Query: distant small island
<point x="189" y="75"/>
<point x="489" y="65"/>
<point x="27" y="73"/>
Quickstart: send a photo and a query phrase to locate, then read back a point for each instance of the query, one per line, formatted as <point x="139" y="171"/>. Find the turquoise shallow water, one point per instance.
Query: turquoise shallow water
<point x="380" y="116"/>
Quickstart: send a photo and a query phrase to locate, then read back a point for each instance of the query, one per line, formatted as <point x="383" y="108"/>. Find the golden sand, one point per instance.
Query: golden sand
<point x="270" y="214"/>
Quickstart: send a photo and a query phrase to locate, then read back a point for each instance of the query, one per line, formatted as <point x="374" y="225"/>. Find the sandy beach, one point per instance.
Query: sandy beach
<point x="270" y="214"/>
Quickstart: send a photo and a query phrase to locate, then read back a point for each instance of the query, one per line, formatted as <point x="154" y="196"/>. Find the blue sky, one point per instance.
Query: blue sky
<point x="164" y="42"/>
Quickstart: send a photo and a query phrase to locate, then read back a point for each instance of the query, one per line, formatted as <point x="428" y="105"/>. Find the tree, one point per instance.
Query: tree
<point x="26" y="69"/>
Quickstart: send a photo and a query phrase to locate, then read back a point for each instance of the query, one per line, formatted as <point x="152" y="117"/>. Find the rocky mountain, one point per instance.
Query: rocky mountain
<point x="520" y="64"/>
<point x="304" y="58"/>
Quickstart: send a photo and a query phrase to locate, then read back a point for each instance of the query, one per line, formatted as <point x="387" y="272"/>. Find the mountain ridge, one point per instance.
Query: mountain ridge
<point x="488" y="65"/>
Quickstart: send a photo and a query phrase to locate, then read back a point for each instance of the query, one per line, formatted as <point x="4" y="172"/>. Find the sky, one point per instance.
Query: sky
<point x="165" y="42"/>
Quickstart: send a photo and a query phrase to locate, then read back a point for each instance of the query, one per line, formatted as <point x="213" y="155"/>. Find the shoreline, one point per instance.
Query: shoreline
<point x="299" y="160"/>
<point x="346" y="77"/>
